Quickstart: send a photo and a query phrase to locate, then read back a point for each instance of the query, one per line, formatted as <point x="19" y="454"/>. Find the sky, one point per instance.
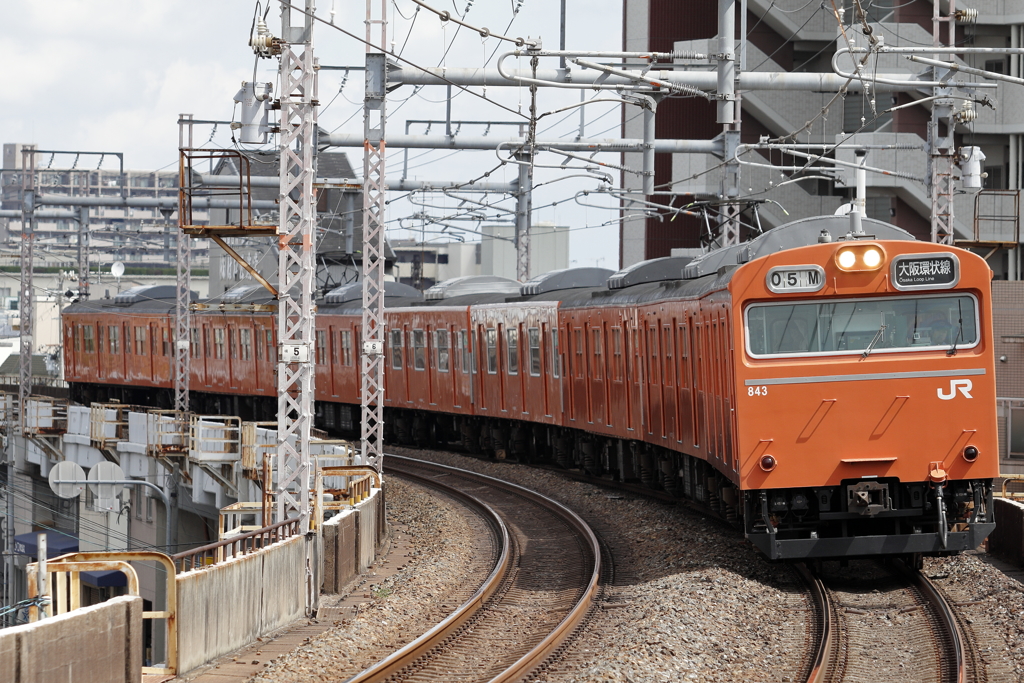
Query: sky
<point x="113" y="75"/>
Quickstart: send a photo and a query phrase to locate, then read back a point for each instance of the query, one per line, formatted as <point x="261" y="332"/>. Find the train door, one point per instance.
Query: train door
<point x="588" y="362"/>
<point x="684" y="425"/>
<point x="655" y="412"/>
<point x="617" y="396"/>
<point x="639" y="385"/>
<point x="700" y="423"/>
<point x="669" y="379"/>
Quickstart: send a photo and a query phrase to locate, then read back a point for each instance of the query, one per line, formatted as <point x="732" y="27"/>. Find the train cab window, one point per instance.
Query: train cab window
<point x="195" y="342"/>
<point x="346" y="347"/>
<point x="88" y="343"/>
<point x="617" y="353"/>
<point x="140" y="341"/>
<point x="441" y="344"/>
<point x="419" y="349"/>
<point x="596" y="355"/>
<point x="856" y="326"/>
<point x="491" y="340"/>
<point x="512" y="342"/>
<point x="533" y="339"/>
<point x="114" y="335"/>
<point x="396" y="349"/>
<point x="321" y="347"/>
<point x="218" y="343"/>
<point x="245" y="343"/>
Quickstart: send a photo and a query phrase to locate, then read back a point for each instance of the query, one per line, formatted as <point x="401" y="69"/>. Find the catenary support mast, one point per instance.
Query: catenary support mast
<point x="374" y="189"/>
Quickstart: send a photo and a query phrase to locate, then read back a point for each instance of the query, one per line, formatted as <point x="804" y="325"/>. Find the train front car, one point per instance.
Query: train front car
<point x="866" y="398"/>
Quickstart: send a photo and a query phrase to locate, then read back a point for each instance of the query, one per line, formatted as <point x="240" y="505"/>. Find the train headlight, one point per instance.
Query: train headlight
<point x="860" y="257"/>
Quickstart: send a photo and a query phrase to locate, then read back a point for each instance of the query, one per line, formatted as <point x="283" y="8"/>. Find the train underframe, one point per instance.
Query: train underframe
<point x="861" y="517"/>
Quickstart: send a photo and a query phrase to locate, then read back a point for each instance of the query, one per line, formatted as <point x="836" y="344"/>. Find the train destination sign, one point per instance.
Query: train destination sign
<point x="785" y="279"/>
<point x="925" y="271"/>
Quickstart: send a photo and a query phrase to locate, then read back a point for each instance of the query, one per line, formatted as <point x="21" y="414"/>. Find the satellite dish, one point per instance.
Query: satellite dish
<point x="67" y="471"/>
<point x="117" y="269"/>
<point x="106" y="471"/>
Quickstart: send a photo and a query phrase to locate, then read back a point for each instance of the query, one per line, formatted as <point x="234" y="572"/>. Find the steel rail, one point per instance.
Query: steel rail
<point x="407" y="655"/>
<point x="543" y="650"/>
<point x="947" y="617"/>
<point x="819" y="668"/>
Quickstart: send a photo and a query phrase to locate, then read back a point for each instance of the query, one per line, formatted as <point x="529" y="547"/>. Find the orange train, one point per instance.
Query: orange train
<point x="831" y="393"/>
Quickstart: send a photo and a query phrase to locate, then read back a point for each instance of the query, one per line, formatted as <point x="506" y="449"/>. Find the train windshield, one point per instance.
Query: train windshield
<point x="847" y="326"/>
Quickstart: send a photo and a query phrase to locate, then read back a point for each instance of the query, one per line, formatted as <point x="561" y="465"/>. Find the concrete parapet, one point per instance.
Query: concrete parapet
<point x="98" y="644"/>
<point x="351" y="539"/>
<point x="231" y="604"/>
<point x="1007" y="540"/>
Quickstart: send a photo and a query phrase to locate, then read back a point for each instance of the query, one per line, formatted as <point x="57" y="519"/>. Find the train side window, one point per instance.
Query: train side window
<point x="206" y="342"/>
<point x="270" y="344"/>
<point x="218" y="343"/>
<point x="257" y="346"/>
<point x="334" y="347"/>
<point x="617" y="353"/>
<point x="396" y="349"/>
<point x="556" y="360"/>
<point x="76" y="337"/>
<point x="467" y="352"/>
<point x="195" y="342"/>
<point x="578" y="335"/>
<point x="321" y="347"/>
<point x="346" y="347"/>
<point x="167" y="341"/>
<point x="441" y="343"/>
<point x="114" y="335"/>
<point x="597" y="372"/>
<point x="140" y="341"/>
<point x="512" y="341"/>
<point x="88" y="343"/>
<point x="492" y="350"/>
<point x="652" y="342"/>
<point x="533" y="335"/>
<point x="232" y="343"/>
<point x="419" y="349"/>
<point x="128" y="340"/>
<point x="245" y="342"/>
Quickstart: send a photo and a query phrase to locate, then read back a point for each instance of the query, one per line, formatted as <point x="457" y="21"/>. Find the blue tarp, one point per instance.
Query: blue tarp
<point x="57" y="544"/>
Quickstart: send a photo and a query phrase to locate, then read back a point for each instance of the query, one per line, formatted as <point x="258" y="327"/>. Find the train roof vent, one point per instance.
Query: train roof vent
<point x="142" y="293"/>
<point x="246" y="294"/>
<point x="471" y="284"/>
<point x="353" y="291"/>
<point x="655" y="270"/>
<point x="566" y="278"/>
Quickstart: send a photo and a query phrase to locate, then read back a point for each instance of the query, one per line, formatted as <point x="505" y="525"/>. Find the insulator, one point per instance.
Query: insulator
<point x="967" y="16"/>
<point x="263" y="42"/>
<point x="967" y="114"/>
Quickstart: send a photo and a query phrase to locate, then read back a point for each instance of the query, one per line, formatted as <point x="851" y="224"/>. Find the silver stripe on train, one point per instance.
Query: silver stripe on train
<point x="860" y="378"/>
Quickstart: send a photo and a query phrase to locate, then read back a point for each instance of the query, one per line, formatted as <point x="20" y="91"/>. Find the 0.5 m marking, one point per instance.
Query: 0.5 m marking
<point x="757" y="391"/>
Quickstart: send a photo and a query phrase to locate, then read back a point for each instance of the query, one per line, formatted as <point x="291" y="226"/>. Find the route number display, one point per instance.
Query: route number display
<point x="785" y="279"/>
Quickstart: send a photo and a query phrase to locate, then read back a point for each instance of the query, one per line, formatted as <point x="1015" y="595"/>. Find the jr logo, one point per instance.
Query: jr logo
<point x="964" y="385"/>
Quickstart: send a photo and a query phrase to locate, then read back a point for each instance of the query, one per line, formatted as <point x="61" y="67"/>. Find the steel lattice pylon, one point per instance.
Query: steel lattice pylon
<point x="26" y="309"/>
<point x="182" y="309"/>
<point x="296" y="268"/>
<point x="941" y="148"/>
<point x="374" y="195"/>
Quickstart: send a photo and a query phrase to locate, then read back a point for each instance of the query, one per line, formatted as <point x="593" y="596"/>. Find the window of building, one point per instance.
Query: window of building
<point x="512" y="341"/>
<point x="114" y="335"/>
<point x="533" y="339"/>
<point x="441" y="342"/>
<point x="245" y="343"/>
<point x="491" y="341"/>
<point x="396" y="349"/>
<point x="218" y="343"/>
<point x="346" y="347"/>
<point x="419" y="349"/>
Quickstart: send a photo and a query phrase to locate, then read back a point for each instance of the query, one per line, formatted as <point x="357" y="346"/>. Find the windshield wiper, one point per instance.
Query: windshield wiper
<point x="959" y="329"/>
<point x="878" y="335"/>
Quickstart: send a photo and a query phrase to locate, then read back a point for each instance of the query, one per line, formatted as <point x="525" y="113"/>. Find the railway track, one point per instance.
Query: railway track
<point x="877" y="622"/>
<point x="544" y="580"/>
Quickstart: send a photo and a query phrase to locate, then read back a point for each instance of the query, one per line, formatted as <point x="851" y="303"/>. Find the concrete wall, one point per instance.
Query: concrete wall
<point x="229" y="605"/>
<point x="1007" y="540"/>
<point x="351" y="540"/>
<point x="98" y="644"/>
